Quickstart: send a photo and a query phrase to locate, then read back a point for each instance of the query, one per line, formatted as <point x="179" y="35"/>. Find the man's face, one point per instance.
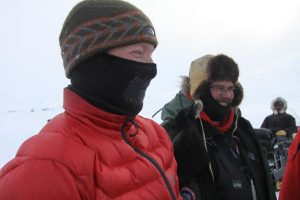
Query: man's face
<point x="140" y="52"/>
<point x="278" y="105"/>
<point x="222" y="92"/>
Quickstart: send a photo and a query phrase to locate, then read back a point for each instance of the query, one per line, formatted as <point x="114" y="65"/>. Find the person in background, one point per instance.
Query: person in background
<point x="291" y="177"/>
<point x="99" y="147"/>
<point x="280" y="122"/>
<point x="218" y="154"/>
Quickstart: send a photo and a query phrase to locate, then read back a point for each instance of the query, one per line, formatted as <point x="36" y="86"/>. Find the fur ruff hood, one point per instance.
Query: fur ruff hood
<point x="284" y="107"/>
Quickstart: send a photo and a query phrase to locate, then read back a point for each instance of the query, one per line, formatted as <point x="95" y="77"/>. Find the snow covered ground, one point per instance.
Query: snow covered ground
<point x="18" y="125"/>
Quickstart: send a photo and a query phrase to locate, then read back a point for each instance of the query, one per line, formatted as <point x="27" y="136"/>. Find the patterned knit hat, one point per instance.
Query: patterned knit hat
<point x="94" y="26"/>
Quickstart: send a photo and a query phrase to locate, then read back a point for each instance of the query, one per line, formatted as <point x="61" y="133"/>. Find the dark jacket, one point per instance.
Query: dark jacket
<point x="280" y="121"/>
<point x="208" y="161"/>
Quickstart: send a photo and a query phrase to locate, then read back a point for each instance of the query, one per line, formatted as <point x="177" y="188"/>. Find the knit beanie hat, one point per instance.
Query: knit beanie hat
<point x="210" y="68"/>
<point x="94" y="26"/>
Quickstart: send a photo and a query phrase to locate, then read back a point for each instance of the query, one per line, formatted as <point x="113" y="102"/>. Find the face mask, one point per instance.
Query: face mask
<point x="112" y="83"/>
<point x="213" y="109"/>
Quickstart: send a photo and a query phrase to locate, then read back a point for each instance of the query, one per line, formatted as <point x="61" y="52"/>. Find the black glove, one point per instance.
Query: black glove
<point x="189" y="148"/>
<point x="192" y="112"/>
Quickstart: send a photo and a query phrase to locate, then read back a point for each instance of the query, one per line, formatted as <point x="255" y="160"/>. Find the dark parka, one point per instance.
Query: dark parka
<point x="205" y="162"/>
<point x="280" y="120"/>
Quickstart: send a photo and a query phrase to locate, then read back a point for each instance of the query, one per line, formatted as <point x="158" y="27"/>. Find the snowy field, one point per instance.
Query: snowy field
<point x="18" y="125"/>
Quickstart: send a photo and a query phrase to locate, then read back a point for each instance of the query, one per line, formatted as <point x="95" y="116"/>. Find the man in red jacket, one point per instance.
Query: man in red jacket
<point x="291" y="178"/>
<point x="99" y="148"/>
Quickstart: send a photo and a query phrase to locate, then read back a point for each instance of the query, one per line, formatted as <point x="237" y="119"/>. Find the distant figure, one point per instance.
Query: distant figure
<point x="99" y="147"/>
<point x="280" y="122"/>
<point x="291" y="178"/>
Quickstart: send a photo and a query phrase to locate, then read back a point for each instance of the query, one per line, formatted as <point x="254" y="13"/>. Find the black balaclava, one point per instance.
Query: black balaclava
<point x="212" y="108"/>
<point x="111" y="83"/>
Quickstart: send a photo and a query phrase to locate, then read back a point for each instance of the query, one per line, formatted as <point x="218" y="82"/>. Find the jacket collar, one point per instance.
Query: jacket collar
<point x="78" y="107"/>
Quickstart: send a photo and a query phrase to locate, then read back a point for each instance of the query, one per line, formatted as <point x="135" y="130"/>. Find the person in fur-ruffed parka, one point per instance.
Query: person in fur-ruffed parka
<point x="218" y="154"/>
<point x="280" y="122"/>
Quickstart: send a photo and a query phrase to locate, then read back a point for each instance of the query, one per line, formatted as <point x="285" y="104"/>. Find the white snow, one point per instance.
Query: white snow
<point x="17" y="126"/>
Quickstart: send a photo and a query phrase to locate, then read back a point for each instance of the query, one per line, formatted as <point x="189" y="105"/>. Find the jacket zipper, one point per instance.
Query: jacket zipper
<point x="150" y="159"/>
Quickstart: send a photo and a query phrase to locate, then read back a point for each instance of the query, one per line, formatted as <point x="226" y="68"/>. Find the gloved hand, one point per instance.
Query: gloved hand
<point x="190" y="113"/>
<point x="189" y="148"/>
<point x="281" y="133"/>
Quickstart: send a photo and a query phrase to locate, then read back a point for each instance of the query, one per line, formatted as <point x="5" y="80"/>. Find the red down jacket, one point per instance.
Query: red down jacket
<point x="80" y="154"/>
<point x="291" y="178"/>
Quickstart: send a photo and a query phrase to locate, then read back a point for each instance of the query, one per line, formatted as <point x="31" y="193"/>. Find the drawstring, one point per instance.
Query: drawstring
<point x="146" y="156"/>
<point x="198" y="106"/>
<point x="236" y="121"/>
<point x="129" y="120"/>
<point x="205" y="146"/>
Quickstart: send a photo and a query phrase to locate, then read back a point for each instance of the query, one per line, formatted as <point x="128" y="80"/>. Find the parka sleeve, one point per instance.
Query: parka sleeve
<point x="291" y="126"/>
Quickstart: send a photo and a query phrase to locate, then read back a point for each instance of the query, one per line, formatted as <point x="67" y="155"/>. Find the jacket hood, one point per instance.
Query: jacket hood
<point x="179" y="102"/>
<point x="284" y="107"/>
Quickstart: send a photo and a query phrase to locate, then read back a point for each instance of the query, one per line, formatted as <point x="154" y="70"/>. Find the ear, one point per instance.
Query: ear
<point x="238" y="95"/>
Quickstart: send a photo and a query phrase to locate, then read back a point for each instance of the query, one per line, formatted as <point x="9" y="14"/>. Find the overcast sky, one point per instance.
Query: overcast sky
<point x="262" y="36"/>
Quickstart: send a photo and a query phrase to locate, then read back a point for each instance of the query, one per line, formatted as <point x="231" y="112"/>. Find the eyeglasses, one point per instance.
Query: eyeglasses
<point x="223" y="89"/>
